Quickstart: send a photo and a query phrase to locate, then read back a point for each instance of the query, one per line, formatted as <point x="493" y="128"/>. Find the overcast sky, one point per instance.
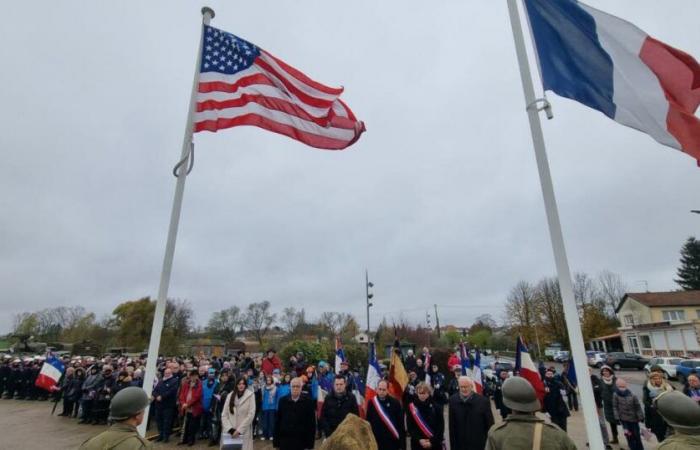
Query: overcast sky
<point x="439" y="200"/>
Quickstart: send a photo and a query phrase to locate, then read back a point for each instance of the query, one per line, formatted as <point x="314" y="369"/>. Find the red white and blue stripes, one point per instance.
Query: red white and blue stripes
<point x="611" y="65"/>
<point x="385" y="417"/>
<point x="418" y="419"/>
<point x="50" y="373"/>
<point x="241" y="84"/>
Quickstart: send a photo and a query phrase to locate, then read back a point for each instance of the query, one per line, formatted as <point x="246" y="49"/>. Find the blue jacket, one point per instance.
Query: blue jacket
<point x="282" y="390"/>
<point x="208" y="392"/>
<point x="168" y="391"/>
<point x="270" y="399"/>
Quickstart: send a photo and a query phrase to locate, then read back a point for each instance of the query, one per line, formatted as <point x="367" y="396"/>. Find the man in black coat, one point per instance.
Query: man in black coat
<point x="387" y="437"/>
<point x="470" y="417"/>
<point x="336" y="406"/>
<point x="498" y="395"/>
<point x="165" y="403"/>
<point x="554" y="400"/>
<point x="295" y="424"/>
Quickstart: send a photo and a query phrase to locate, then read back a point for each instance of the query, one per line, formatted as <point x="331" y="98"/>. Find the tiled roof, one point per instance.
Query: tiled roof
<point x="655" y="299"/>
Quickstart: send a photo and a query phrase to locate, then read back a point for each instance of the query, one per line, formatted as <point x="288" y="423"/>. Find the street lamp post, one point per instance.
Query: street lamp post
<point x="368" y="284"/>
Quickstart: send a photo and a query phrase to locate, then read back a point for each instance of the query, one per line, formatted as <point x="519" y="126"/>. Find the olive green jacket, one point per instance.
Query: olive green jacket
<point x="119" y="436"/>
<point x="680" y="441"/>
<point x="517" y="433"/>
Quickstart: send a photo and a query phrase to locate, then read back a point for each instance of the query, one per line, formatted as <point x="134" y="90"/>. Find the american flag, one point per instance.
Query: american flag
<point x="242" y="84"/>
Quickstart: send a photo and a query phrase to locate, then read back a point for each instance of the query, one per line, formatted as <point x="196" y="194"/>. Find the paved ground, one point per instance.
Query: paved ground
<point x="30" y="425"/>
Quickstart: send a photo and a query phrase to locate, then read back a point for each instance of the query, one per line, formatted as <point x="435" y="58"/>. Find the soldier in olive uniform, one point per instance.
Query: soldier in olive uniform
<point x="126" y="410"/>
<point x="522" y="429"/>
<point x="683" y="414"/>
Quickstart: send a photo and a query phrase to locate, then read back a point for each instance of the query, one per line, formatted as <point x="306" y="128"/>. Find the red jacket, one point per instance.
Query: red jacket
<point x="195" y="406"/>
<point x="268" y="365"/>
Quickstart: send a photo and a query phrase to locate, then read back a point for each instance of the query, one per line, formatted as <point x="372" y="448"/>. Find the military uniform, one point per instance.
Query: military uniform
<point x="119" y="436"/>
<point x="683" y="414"/>
<point x="518" y="430"/>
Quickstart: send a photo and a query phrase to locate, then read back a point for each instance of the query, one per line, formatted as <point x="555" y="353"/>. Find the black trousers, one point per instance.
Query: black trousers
<point x="559" y="421"/>
<point x="68" y="407"/>
<point x="191" y="427"/>
<point x="164" y="421"/>
<point x="613" y="429"/>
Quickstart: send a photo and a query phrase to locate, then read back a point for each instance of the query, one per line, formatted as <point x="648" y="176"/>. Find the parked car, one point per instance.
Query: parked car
<point x="623" y="360"/>
<point x="596" y="359"/>
<point x="561" y="356"/>
<point x="686" y="367"/>
<point x="667" y="364"/>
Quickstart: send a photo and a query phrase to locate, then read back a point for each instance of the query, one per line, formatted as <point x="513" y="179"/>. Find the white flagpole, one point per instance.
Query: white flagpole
<point x="156" y="331"/>
<point x="578" y="351"/>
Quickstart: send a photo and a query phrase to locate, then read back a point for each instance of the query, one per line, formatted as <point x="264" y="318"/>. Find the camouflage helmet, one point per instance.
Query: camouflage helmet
<point x="680" y="411"/>
<point x="519" y="395"/>
<point x="127" y="403"/>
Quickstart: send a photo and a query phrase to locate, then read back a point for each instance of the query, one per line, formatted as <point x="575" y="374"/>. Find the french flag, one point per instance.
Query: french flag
<point x="527" y="369"/>
<point x="476" y="373"/>
<point x="50" y="373"/>
<point x="374" y="374"/>
<point x="339" y="354"/>
<point x="611" y="65"/>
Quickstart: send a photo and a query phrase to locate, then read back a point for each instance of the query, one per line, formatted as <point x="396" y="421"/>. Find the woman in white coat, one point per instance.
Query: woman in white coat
<point x="239" y="412"/>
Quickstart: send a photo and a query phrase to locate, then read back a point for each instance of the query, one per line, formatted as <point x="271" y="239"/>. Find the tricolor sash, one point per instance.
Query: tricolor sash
<point x="385" y="417"/>
<point x="420" y="421"/>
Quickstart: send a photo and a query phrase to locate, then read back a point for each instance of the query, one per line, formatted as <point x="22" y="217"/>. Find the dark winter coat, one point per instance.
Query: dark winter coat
<point x="167" y="390"/>
<point x="432" y="415"/>
<point x="437" y="381"/>
<point x="469" y="422"/>
<point x="385" y="439"/>
<point x="597" y="391"/>
<point x="653" y="419"/>
<point x="553" y="401"/>
<point x="295" y="424"/>
<point x="627" y="407"/>
<point x="71" y="388"/>
<point x="607" y="391"/>
<point x="334" y="411"/>
<point x="498" y="399"/>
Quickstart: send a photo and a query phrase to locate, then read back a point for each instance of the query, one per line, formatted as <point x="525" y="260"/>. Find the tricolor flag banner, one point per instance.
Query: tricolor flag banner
<point x="339" y="354"/>
<point x="570" y="373"/>
<point x="476" y="373"/>
<point x="611" y="65"/>
<point x="50" y="373"/>
<point x="320" y="398"/>
<point x="242" y="84"/>
<point x="527" y="369"/>
<point x="464" y="358"/>
<point x="374" y="374"/>
<point x="427" y="362"/>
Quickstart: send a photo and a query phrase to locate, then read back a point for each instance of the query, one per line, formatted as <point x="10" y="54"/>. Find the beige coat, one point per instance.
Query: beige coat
<point x="242" y="418"/>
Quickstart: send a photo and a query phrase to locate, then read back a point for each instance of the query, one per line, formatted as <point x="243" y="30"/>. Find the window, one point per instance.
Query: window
<point x="674" y="361"/>
<point x="646" y="342"/>
<point x="629" y="320"/>
<point x="697" y="311"/>
<point x="674" y="314"/>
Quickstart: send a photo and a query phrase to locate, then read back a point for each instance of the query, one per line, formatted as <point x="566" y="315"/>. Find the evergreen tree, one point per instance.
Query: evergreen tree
<point x="689" y="271"/>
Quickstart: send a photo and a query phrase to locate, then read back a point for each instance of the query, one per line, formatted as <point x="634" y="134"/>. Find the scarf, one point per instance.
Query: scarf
<point x="621" y="393"/>
<point x="654" y="391"/>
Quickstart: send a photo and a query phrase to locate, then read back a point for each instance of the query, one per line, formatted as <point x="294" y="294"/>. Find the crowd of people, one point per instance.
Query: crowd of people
<point x="250" y="398"/>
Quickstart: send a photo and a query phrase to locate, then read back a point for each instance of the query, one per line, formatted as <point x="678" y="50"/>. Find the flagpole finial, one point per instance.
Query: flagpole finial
<point x="207" y="10"/>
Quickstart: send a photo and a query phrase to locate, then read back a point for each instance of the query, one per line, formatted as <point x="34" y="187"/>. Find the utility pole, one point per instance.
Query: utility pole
<point x="369" y="295"/>
<point x="437" y="321"/>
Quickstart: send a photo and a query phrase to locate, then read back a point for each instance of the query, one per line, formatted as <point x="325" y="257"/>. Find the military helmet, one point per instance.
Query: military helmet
<point x="679" y="411"/>
<point x="519" y="395"/>
<point x="127" y="403"/>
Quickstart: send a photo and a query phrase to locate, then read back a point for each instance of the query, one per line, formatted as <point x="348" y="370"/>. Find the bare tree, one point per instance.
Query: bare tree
<point x="612" y="289"/>
<point x="225" y="324"/>
<point x="551" y="307"/>
<point x="258" y="319"/>
<point x="521" y="310"/>
<point x="293" y="321"/>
